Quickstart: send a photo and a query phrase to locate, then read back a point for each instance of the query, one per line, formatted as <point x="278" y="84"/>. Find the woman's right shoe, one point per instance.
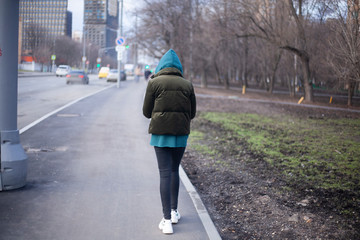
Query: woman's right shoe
<point x="175" y="216"/>
<point x="166" y="226"/>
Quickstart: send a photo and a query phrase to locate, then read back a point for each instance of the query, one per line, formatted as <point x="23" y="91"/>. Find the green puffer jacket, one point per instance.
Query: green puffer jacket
<point x="170" y="103"/>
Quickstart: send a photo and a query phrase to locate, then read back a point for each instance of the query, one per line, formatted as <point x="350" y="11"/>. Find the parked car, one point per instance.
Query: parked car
<point x="77" y="76"/>
<point x="114" y="74"/>
<point x="103" y="72"/>
<point x="62" y="70"/>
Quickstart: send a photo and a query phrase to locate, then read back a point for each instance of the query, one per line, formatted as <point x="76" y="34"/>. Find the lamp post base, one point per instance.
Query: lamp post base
<point x="13" y="163"/>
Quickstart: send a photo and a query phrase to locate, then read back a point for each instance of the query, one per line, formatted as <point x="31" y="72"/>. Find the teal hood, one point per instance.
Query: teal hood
<point x="170" y="59"/>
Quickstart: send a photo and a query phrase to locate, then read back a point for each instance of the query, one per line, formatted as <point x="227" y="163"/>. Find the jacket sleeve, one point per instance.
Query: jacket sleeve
<point x="193" y="103"/>
<point x="149" y="100"/>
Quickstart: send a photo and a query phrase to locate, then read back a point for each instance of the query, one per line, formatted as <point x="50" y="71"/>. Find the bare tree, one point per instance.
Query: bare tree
<point x="42" y="54"/>
<point x="67" y="51"/>
<point x="215" y="39"/>
<point x="283" y="24"/>
<point x="164" y="26"/>
<point x="39" y="44"/>
<point x="345" y="54"/>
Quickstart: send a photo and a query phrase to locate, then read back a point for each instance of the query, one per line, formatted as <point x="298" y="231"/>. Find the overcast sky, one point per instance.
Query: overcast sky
<point x="77" y="9"/>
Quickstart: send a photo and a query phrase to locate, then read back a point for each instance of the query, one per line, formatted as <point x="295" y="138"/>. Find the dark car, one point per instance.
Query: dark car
<point x="77" y="76"/>
<point x="114" y="74"/>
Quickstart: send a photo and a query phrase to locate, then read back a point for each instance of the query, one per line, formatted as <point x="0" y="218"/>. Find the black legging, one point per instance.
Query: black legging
<point x="168" y="161"/>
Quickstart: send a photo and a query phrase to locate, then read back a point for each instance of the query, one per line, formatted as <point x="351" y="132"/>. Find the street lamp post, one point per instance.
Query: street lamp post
<point x="119" y="34"/>
<point x="83" y="59"/>
<point x="13" y="160"/>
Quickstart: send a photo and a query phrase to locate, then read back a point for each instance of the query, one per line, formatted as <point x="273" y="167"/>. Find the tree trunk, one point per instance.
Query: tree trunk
<point x="273" y="77"/>
<point x="217" y="72"/>
<point x="272" y="83"/>
<point x="307" y="82"/>
<point x="246" y="46"/>
<point x="301" y="51"/>
<point x="351" y="89"/>
<point x="291" y="86"/>
<point x="203" y="79"/>
<point x="226" y="80"/>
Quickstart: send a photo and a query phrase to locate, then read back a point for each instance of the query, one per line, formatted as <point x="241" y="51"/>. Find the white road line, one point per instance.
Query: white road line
<point x="58" y="110"/>
<point x="209" y="226"/>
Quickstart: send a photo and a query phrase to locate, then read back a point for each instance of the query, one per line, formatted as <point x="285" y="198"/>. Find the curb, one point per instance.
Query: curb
<point x="208" y="224"/>
<point x="35" y="75"/>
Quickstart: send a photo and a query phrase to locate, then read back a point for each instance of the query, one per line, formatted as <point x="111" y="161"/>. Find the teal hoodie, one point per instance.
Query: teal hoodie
<point x="170" y="59"/>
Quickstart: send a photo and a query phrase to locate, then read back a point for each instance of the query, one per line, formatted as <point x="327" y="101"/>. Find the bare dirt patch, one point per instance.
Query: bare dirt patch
<point x="248" y="199"/>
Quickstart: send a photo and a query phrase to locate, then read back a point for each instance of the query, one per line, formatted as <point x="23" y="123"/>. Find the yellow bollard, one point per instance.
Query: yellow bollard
<point x="330" y="100"/>
<point x="243" y="90"/>
<point x="301" y="99"/>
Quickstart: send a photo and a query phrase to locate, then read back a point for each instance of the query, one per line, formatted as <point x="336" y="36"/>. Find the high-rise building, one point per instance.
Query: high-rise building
<point x="101" y="22"/>
<point x="68" y="24"/>
<point x="42" y="22"/>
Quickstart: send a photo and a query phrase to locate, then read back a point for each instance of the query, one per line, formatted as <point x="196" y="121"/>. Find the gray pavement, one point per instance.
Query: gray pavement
<point x="92" y="175"/>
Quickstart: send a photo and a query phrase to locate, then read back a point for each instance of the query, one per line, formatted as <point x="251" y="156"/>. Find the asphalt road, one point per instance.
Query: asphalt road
<point x="38" y="96"/>
<point x="91" y="171"/>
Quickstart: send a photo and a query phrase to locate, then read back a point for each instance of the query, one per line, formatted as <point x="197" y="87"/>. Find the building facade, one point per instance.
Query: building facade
<point x="42" y="22"/>
<point x="101" y="22"/>
<point x="68" y="22"/>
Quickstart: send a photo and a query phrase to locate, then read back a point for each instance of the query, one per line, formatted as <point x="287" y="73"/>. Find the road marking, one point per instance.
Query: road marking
<point x="24" y="129"/>
<point x="209" y="226"/>
<point x="68" y="115"/>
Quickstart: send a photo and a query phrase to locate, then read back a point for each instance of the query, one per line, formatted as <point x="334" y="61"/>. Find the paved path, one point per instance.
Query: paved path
<point x="92" y="175"/>
<point x="279" y="102"/>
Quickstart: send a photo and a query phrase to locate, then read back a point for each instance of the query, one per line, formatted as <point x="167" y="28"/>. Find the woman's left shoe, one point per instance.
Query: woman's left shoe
<point x="175" y="216"/>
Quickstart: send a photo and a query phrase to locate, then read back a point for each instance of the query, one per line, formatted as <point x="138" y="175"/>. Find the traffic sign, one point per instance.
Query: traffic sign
<point x="120" y="48"/>
<point x="121" y="56"/>
<point x="120" y="41"/>
<point x="84" y="59"/>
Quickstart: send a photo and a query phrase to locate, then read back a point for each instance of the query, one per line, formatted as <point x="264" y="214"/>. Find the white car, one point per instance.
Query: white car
<point x="62" y="70"/>
<point x="114" y="74"/>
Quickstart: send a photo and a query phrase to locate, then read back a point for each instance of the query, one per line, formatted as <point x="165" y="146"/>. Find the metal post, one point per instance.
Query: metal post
<point x="83" y="59"/>
<point x="136" y="42"/>
<point x="191" y="41"/>
<point x="13" y="160"/>
<point x="119" y="34"/>
<point x="53" y="61"/>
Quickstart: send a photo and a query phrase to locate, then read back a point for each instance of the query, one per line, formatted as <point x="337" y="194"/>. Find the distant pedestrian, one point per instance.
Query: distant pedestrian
<point x="137" y="73"/>
<point x="171" y="104"/>
<point x="147" y="74"/>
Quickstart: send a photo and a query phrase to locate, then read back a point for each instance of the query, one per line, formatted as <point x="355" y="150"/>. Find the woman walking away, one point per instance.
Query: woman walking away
<point x="170" y="103"/>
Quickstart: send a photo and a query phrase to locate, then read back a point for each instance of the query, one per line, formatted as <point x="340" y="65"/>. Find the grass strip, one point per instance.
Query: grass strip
<point x="322" y="153"/>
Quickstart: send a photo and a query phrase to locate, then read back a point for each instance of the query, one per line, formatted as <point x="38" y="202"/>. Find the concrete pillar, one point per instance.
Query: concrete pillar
<point x="13" y="160"/>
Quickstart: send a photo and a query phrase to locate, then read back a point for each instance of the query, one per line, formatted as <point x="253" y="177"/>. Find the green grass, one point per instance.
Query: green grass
<point x="324" y="154"/>
<point x="195" y="139"/>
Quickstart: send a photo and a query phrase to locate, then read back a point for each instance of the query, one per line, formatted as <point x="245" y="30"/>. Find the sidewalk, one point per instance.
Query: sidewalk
<point x="92" y="175"/>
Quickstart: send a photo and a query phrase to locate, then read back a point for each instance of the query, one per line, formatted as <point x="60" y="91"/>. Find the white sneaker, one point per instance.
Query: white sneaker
<point x="165" y="226"/>
<point x="175" y="216"/>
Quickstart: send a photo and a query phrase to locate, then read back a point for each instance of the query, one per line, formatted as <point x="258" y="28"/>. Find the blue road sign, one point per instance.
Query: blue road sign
<point x="120" y="41"/>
